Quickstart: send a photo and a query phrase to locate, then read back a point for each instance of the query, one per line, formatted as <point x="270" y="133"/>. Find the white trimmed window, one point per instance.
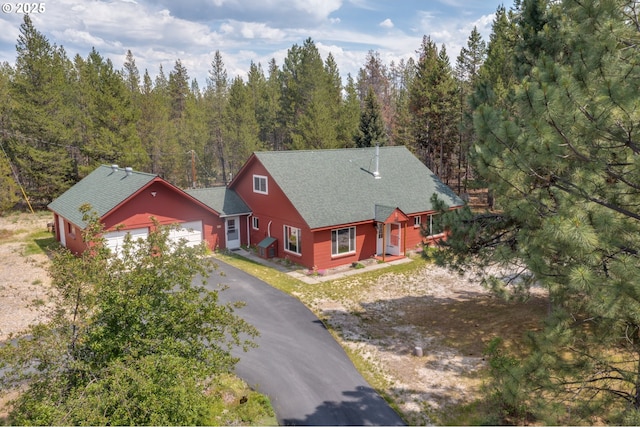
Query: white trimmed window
<point x="417" y="220"/>
<point x="343" y="241"/>
<point x="292" y="240"/>
<point x="260" y="184"/>
<point x="255" y="223"/>
<point x="435" y="227"/>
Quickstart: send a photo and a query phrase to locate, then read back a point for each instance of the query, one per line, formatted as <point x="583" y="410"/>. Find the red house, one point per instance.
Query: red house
<point x="126" y="200"/>
<point x="324" y="208"/>
<point x="319" y="209"/>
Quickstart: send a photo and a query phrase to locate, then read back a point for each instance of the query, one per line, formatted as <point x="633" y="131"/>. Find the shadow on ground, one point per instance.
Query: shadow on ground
<point x="361" y="406"/>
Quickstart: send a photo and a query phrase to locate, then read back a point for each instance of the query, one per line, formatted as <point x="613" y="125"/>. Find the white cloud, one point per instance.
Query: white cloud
<point x="387" y="23"/>
<point x="253" y="30"/>
<point x="74" y="36"/>
<point x="159" y="32"/>
<point x="320" y="9"/>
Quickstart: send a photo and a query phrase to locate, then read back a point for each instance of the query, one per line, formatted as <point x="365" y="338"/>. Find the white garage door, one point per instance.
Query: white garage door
<point x="190" y="231"/>
<point x="115" y="239"/>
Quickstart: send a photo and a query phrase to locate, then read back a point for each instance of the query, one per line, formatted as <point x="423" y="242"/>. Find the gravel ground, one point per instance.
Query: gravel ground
<point x="449" y="317"/>
<point x="385" y="326"/>
<point x="23" y="279"/>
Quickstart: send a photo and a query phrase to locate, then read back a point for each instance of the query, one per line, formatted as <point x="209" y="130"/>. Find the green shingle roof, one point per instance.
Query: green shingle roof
<point x="104" y="189"/>
<point x="220" y="199"/>
<point x="332" y="187"/>
<point x="264" y="243"/>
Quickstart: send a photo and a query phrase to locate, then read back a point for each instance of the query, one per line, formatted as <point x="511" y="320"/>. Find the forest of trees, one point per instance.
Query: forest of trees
<point x="61" y="117"/>
<point x="544" y="114"/>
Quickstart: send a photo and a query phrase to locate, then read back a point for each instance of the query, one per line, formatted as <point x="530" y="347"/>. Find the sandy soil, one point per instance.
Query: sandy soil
<point x="448" y="317"/>
<point x="23" y="279"/>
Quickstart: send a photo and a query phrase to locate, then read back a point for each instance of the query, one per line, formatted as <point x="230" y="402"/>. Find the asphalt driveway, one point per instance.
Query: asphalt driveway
<point x="304" y="371"/>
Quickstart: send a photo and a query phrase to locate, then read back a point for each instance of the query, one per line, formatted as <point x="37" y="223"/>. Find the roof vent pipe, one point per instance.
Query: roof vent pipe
<point x="376" y="173"/>
<point x="128" y="170"/>
<point x="114" y="168"/>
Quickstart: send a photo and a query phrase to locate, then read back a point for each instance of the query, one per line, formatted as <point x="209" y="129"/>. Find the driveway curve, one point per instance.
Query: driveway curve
<point x="298" y="364"/>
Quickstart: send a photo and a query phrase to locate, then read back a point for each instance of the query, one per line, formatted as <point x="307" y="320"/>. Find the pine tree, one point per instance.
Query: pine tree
<point x="349" y="115"/>
<point x="242" y="125"/>
<point x="433" y="105"/>
<point x="131" y="74"/>
<point x="42" y="124"/>
<point x="308" y="99"/>
<point x="498" y="73"/>
<point x="271" y="121"/>
<point x="371" y="130"/>
<point x="468" y="65"/>
<point x="154" y="126"/>
<point x="8" y="186"/>
<point x="402" y="74"/>
<point x="107" y="122"/>
<point x="375" y="75"/>
<point x="216" y="99"/>
<point x="560" y="155"/>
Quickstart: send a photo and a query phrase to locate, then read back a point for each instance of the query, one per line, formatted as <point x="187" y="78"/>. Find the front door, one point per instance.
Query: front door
<point x="232" y="230"/>
<point x="380" y="241"/>
<point x="393" y="238"/>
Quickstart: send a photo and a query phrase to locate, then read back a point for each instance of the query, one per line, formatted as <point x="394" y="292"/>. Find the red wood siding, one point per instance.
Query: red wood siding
<point x="73" y="240"/>
<point x="167" y="207"/>
<point x="413" y="237"/>
<point x="366" y="235"/>
<point x="274" y="211"/>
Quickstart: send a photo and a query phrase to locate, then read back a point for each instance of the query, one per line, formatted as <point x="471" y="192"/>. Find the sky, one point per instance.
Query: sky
<point x="159" y="32"/>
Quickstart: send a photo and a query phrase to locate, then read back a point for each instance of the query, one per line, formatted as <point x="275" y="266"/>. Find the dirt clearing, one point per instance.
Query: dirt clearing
<point x="23" y="275"/>
<point x="450" y="318"/>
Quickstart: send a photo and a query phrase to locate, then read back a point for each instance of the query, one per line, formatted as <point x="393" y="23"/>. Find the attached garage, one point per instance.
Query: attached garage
<point x="190" y="231"/>
<point x="115" y="239"/>
<point x="135" y="202"/>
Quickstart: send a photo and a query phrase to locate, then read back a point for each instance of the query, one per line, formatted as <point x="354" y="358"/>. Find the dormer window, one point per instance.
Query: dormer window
<point x="260" y="184"/>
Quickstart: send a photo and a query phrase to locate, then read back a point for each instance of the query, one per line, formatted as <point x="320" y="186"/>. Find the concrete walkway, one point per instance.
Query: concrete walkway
<point x="315" y="279"/>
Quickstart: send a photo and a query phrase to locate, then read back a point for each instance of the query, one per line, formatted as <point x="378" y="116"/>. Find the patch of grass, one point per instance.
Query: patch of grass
<point x="349" y="289"/>
<point x="40" y="242"/>
<point x="270" y="275"/>
<point x="234" y="403"/>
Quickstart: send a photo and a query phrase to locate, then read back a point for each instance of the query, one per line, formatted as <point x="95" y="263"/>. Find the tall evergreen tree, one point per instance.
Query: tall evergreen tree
<point x="433" y="105"/>
<point x="498" y="73"/>
<point x="375" y="75"/>
<point x="42" y="124"/>
<point x="371" y="130"/>
<point x="131" y="74"/>
<point x="402" y="75"/>
<point x="8" y="186"/>
<point x="308" y="99"/>
<point x="468" y="66"/>
<point x="349" y="115"/>
<point x="154" y="126"/>
<point x="107" y="119"/>
<point x="270" y="120"/>
<point x="242" y="125"/>
<point x="216" y="99"/>
<point x="560" y="155"/>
